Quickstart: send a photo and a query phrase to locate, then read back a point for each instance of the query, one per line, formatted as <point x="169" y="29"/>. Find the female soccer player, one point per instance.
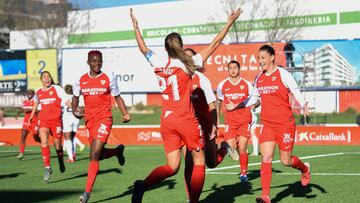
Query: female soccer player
<point x="236" y="89"/>
<point x="70" y="126"/>
<point x="273" y="86"/>
<point x="174" y="75"/>
<point x="97" y="87"/>
<point x="50" y="96"/>
<point x="27" y="107"/>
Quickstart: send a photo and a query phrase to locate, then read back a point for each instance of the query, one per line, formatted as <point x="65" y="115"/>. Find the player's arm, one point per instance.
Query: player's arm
<point x="36" y="105"/>
<point x="139" y="39"/>
<point x="121" y="105"/>
<point x="207" y="51"/>
<point x="75" y="101"/>
<point x="21" y="110"/>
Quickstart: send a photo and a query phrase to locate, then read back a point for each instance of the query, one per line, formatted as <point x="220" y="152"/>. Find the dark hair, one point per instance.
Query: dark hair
<point x="68" y="89"/>
<point x="235" y="62"/>
<point x="268" y="49"/>
<point x="191" y="50"/>
<point x="174" y="48"/>
<point x="42" y="73"/>
<point x="32" y="91"/>
<point x="94" y="52"/>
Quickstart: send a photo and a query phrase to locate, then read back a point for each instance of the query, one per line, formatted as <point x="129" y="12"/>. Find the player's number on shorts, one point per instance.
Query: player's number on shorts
<point x="171" y="81"/>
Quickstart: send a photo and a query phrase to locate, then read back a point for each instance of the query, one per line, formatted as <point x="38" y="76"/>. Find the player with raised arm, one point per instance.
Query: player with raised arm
<point x="50" y="97"/>
<point x="97" y="87"/>
<point x="236" y="89"/>
<point x="273" y="86"/>
<point x="27" y="107"/>
<point x="174" y="74"/>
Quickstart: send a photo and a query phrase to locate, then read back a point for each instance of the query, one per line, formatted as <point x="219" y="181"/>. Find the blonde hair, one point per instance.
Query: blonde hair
<point x="174" y="48"/>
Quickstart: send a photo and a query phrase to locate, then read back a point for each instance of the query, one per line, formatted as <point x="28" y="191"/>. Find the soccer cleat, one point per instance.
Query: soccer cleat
<point x="84" y="198"/>
<point x="61" y="165"/>
<point x="263" y="199"/>
<point x="306" y="177"/>
<point x="120" y="155"/>
<point x="230" y="151"/>
<point x="21" y="157"/>
<point x="138" y="193"/>
<point x="243" y="178"/>
<point x="47" y="174"/>
<point x="254" y="154"/>
<point x="82" y="147"/>
<point x="69" y="161"/>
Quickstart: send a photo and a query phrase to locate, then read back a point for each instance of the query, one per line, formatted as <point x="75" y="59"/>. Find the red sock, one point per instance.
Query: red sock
<point x="45" y="151"/>
<point x="189" y="166"/>
<point x="159" y="174"/>
<point x="221" y="153"/>
<point x="244" y="159"/>
<point x="197" y="182"/>
<point x="266" y="174"/>
<point x="92" y="173"/>
<point x="298" y="164"/>
<point x="107" y="153"/>
<point x="60" y="153"/>
<point x="22" y="148"/>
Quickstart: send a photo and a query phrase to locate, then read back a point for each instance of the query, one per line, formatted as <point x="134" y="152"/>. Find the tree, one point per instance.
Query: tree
<point x="327" y="83"/>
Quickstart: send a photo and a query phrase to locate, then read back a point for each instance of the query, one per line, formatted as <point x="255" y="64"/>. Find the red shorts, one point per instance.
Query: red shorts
<point x="176" y="133"/>
<point x="99" y="129"/>
<point x="33" y="127"/>
<point x="233" y="131"/>
<point x="283" y="135"/>
<point x="55" y="127"/>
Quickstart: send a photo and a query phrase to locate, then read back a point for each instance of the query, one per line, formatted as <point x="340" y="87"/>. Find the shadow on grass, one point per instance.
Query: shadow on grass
<point x="34" y="195"/>
<point x="113" y="170"/>
<point x="169" y="183"/>
<point x="14" y="154"/>
<point x="10" y="175"/>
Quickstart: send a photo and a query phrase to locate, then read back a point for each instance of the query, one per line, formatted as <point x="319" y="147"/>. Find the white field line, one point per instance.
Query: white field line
<point x="126" y="148"/>
<point x="316" y="174"/>
<point x="277" y="161"/>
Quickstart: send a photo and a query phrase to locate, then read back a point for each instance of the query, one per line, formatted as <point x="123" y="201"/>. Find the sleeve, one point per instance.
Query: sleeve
<point x="76" y="89"/>
<point x="290" y="83"/>
<point x="36" y="98"/>
<point x="154" y="59"/>
<point x="114" y="88"/>
<point x="219" y="92"/>
<point x="61" y="94"/>
<point x="198" y="61"/>
<point x="254" y="95"/>
<point x="250" y="87"/>
<point x="206" y="87"/>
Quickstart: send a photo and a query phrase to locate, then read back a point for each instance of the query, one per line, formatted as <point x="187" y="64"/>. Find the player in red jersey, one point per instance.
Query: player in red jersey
<point x="97" y="87"/>
<point x="27" y="107"/>
<point x="273" y="86"/>
<point x="236" y="89"/>
<point x="174" y="75"/>
<point x="50" y="97"/>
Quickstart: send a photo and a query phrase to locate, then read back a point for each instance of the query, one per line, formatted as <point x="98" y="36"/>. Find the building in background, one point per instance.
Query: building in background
<point x="330" y="68"/>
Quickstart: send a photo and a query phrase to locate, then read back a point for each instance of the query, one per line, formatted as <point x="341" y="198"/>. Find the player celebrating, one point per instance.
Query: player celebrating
<point x="236" y="89"/>
<point x="273" y="86"/>
<point x="70" y="126"/>
<point x="27" y="107"/>
<point x="174" y="75"/>
<point x="50" y="97"/>
<point x="97" y="87"/>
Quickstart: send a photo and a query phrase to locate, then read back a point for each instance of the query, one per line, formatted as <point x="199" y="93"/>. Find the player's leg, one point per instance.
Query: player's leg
<point x="230" y="141"/>
<point x="45" y="151"/>
<point x="244" y="158"/>
<point x="189" y="165"/>
<point x="198" y="175"/>
<point x="68" y="145"/>
<point x="24" y="133"/>
<point x="213" y="155"/>
<point x="59" y="152"/>
<point x="254" y="140"/>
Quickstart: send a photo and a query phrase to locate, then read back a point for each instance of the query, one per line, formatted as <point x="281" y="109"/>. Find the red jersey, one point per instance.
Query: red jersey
<point x="236" y="93"/>
<point x="175" y="85"/>
<point x="201" y="96"/>
<point x="51" y="102"/>
<point x="27" y="105"/>
<point x="97" y="93"/>
<point x="274" y="89"/>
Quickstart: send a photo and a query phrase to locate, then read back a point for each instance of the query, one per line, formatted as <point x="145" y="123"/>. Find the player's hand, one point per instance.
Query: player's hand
<point x="230" y="106"/>
<point x="234" y="15"/>
<point x="79" y="113"/>
<point x="213" y="132"/>
<point x="126" y="118"/>
<point x="133" y="19"/>
<point x="29" y="121"/>
<point x="306" y="110"/>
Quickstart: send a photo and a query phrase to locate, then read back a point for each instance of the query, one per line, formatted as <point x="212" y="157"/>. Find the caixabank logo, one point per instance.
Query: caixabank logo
<point x="312" y="136"/>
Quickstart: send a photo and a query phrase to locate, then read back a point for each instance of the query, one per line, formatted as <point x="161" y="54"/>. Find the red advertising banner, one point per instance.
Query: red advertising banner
<point x="245" y="54"/>
<point x="150" y="135"/>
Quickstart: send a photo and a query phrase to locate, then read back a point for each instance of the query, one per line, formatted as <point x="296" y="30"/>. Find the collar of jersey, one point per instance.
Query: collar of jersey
<point x="268" y="74"/>
<point x="95" y="76"/>
<point x="235" y="83"/>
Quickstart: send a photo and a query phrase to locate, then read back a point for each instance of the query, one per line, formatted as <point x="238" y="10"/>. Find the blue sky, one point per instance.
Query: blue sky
<point x="112" y="3"/>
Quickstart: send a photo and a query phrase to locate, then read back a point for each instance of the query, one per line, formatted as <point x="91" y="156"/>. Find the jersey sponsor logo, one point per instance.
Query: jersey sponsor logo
<point x="287" y="147"/>
<point x="330" y="136"/>
<point x="93" y="91"/>
<point x="242" y="87"/>
<point x="227" y="89"/>
<point x="47" y="101"/>
<point x="51" y="93"/>
<point x="268" y="89"/>
<point x="58" y="130"/>
<point x="167" y="113"/>
<point x="287" y="138"/>
<point x="235" y="96"/>
<point x="86" y="82"/>
<point x="102" y="82"/>
<point x="102" y="129"/>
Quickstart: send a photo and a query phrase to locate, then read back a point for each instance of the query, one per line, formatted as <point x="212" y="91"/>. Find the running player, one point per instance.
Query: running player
<point x="254" y="139"/>
<point x="27" y="107"/>
<point x="70" y="126"/>
<point x="50" y="96"/>
<point x="174" y="75"/>
<point x="273" y="86"/>
<point x="97" y="87"/>
<point x="236" y="89"/>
